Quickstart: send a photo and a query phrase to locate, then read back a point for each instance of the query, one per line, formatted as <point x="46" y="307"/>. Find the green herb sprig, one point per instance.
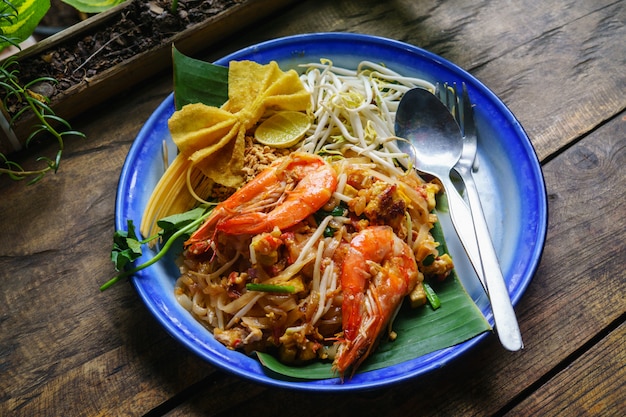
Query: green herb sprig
<point x="127" y="247"/>
<point x="46" y="122"/>
<point x="8" y="17"/>
<point x="320" y="215"/>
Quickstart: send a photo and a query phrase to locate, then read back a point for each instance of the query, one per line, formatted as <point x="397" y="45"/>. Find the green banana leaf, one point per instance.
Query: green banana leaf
<point x="19" y="18"/>
<point x="419" y="331"/>
<point x="197" y="81"/>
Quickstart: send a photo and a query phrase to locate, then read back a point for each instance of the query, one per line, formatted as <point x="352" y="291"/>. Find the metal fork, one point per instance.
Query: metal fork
<point x="503" y="313"/>
<point x="447" y="95"/>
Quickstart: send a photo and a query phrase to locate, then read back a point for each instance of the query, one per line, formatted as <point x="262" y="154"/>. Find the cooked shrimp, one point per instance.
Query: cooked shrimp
<point x="378" y="271"/>
<point x="287" y="192"/>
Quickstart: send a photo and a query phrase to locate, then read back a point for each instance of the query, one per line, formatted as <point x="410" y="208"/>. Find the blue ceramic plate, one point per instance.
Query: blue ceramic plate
<point x="509" y="180"/>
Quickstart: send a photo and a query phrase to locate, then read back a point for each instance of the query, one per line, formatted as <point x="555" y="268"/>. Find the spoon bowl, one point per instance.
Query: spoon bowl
<point x="432" y="136"/>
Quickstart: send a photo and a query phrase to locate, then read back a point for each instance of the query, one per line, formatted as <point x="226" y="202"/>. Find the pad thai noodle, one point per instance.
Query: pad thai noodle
<point x="312" y="256"/>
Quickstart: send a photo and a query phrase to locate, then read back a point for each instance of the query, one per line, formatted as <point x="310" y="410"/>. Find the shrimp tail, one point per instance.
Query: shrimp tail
<point x="360" y="342"/>
<point x="356" y="349"/>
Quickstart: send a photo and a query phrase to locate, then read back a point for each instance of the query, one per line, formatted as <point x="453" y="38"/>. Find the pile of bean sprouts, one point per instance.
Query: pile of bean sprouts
<point x="355" y="109"/>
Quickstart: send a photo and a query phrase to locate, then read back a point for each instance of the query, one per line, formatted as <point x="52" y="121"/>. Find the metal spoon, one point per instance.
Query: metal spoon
<point x="431" y="137"/>
<point x="435" y="146"/>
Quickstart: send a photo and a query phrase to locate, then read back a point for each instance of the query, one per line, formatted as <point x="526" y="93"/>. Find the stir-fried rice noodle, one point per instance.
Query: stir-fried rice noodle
<point x="353" y="131"/>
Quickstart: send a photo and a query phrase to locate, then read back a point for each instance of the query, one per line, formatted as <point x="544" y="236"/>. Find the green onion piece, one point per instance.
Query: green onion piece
<point x="288" y="289"/>
<point x="339" y="210"/>
<point x="432" y="297"/>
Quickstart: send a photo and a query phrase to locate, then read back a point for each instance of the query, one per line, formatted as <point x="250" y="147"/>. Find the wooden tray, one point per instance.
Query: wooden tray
<point x="94" y="90"/>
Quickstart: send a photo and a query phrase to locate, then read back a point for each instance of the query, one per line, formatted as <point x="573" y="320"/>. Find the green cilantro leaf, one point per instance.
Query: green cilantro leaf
<point x="127" y="246"/>
<point x="171" y="224"/>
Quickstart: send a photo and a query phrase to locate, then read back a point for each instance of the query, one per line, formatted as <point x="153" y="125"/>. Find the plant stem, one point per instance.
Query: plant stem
<point x="37" y="105"/>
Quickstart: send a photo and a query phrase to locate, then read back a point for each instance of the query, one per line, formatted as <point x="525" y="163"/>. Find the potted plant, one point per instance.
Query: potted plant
<point x="113" y="50"/>
<point x="18" y="21"/>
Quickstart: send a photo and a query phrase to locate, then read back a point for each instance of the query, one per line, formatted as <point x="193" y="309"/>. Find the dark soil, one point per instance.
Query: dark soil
<point x="143" y="25"/>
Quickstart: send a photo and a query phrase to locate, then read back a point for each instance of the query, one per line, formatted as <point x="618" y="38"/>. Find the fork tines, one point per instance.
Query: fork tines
<point x="447" y="94"/>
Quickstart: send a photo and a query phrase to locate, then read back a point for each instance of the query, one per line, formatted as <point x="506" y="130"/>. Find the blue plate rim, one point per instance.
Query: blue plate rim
<point x="436" y="359"/>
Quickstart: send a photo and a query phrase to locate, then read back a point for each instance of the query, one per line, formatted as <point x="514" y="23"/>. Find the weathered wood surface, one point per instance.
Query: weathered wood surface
<point x="66" y="349"/>
<point x="580" y="389"/>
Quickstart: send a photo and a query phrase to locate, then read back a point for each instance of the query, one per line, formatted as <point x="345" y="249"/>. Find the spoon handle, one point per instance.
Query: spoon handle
<point x="463" y="224"/>
<point x="503" y="312"/>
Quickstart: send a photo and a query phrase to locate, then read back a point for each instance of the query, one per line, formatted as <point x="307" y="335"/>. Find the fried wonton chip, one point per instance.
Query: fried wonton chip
<point x="254" y="88"/>
<point x="214" y="138"/>
<point x="201" y="127"/>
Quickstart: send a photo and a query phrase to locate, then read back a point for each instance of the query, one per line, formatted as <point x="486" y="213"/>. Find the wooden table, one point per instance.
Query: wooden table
<point x="68" y="350"/>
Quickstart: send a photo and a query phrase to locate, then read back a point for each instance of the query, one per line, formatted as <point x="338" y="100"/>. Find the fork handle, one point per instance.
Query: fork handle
<point x="464" y="226"/>
<point x="506" y="323"/>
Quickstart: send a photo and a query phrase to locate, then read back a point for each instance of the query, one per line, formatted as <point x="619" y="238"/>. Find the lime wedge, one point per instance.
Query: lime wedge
<point x="283" y="129"/>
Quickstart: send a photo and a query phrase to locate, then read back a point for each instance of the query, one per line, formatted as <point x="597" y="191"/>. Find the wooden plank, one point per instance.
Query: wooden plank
<point x="122" y="381"/>
<point x="468" y="33"/>
<point x="591" y="386"/>
<point x="566" y="81"/>
<point x="583" y="386"/>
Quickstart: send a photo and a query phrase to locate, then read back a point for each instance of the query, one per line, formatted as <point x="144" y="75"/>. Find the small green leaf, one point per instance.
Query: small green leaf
<point x="126" y="247"/>
<point x="285" y="289"/>
<point x="43" y="107"/>
<point x="428" y="260"/>
<point x="72" y="133"/>
<point x="58" y="119"/>
<point x="197" y="81"/>
<point x="175" y="222"/>
<point x="93" y="6"/>
<point x="17" y="115"/>
<point x="432" y="297"/>
<point x="29" y="14"/>
<point x="36" y="179"/>
<point x="39" y="80"/>
<point x="437" y="233"/>
<point x="39" y="129"/>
